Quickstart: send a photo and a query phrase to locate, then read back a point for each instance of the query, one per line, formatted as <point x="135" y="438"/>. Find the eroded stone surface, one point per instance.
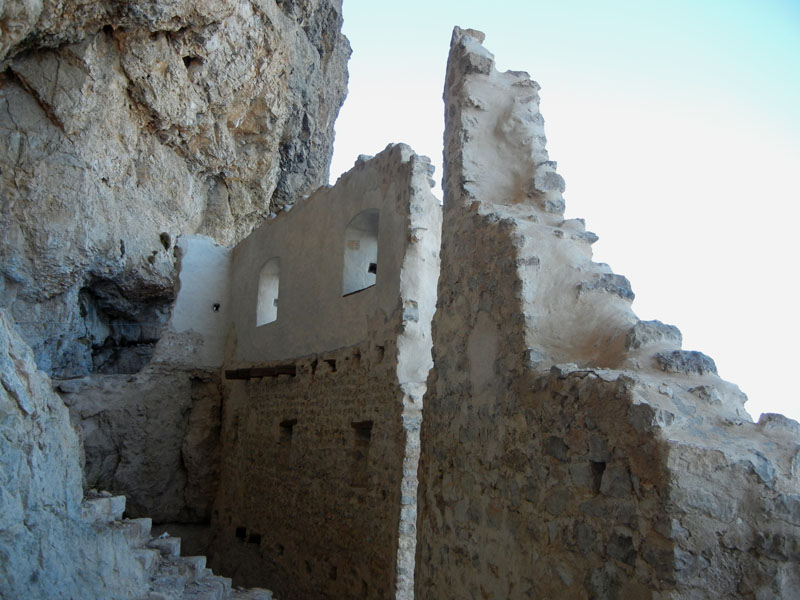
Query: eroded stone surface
<point x="128" y="124"/>
<point x="153" y="437"/>
<point x="321" y="443"/>
<point x="570" y="450"/>
<point x="50" y="544"/>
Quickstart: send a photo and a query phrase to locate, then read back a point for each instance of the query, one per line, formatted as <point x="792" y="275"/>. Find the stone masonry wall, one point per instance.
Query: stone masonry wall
<point x="570" y="450"/>
<point x="309" y="501"/>
<point x="318" y="488"/>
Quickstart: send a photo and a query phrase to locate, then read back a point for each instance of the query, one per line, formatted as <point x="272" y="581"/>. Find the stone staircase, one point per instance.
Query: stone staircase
<point x="169" y="575"/>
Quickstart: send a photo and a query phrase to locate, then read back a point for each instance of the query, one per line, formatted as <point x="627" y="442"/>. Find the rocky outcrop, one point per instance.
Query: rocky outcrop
<point x="153" y="437"/>
<point x="127" y="124"/>
<point x="52" y="543"/>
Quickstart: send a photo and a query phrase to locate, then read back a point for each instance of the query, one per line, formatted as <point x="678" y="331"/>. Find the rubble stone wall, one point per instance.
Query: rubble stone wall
<point x="317" y="496"/>
<point x="309" y="501"/>
<point x="570" y="450"/>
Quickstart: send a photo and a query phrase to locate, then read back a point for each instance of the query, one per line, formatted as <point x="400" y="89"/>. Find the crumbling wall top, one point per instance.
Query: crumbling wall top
<point x="337" y="262"/>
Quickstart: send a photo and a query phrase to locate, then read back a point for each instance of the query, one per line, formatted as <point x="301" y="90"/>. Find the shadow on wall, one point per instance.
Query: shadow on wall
<point x="268" y="285"/>
<point x="360" y="252"/>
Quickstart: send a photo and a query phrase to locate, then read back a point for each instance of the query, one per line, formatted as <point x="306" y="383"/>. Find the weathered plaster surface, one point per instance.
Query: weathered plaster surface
<point x="570" y="450"/>
<point x="318" y="491"/>
<point x="198" y="327"/>
<point x="313" y="316"/>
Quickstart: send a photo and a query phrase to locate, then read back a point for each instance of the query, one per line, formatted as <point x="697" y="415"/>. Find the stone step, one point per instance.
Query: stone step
<point x="251" y="594"/>
<point x="103" y="509"/>
<point x="194" y="567"/>
<point x="209" y="588"/>
<point x="148" y="558"/>
<point x="138" y="530"/>
<point x="170" y="547"/>
<point x="155" y="596"/>
<point x="170" y="584"/>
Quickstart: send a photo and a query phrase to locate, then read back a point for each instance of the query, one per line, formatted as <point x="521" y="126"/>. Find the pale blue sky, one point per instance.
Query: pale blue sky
<point x="676" y="126"/>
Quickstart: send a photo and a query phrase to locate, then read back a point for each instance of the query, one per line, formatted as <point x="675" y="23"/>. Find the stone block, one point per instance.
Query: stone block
<point x="686" y="362"/>
<point x="653" y="333"/>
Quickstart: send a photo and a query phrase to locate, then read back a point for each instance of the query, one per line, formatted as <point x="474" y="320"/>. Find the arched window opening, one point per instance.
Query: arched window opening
<point x="268" y="281"/>
<point x="360" y="252"/>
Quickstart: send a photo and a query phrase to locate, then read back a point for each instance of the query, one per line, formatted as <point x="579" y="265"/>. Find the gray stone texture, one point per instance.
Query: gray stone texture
<point x="153" y="437"/>
<point x="52" y="544"/>
<point x="127" y="124"/>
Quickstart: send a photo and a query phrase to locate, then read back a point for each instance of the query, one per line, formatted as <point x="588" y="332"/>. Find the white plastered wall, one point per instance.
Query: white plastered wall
<point x="195" y="334"/>
<point x="313" y="315"/>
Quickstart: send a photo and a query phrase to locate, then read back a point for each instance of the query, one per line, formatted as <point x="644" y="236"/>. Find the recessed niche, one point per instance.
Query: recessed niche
<point x="268" y="284"/>
<point x="360" y="252"/>
<point x="254" y="538"/>
<point x="362" y="434"/>
<point x="287" y="430"/>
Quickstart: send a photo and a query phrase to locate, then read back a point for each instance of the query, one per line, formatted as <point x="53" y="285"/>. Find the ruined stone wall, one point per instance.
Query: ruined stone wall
<point x="309" y="501"/>
<point x="313" y="314"/>
<point x="570" y="450"/>
<point x="317" y="496"/>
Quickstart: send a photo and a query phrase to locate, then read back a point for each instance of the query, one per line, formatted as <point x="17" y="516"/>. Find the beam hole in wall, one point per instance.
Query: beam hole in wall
<point x="362" y="435"/>
<point x="287" y="430"/>
<point x="192" y="61"/>
<point x="241" y="532"/>
<point x="332" y="364"/>
<point x="598" y="468"/>
<point x="360" y="252"/>
<point x="254" y="538"/>
<point x="268" y="284"/>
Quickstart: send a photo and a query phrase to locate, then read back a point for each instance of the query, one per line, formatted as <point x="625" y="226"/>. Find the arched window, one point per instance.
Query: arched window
<point x="360" y="252"/>
<point x="268" y="281"/>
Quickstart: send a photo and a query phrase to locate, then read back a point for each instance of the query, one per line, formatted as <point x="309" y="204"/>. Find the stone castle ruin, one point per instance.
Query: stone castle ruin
<point x="364" y="394"/>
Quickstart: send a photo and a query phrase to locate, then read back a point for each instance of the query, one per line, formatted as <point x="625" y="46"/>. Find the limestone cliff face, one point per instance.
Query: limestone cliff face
<point x="126" y="124"/>
<point x="51" y="546"/>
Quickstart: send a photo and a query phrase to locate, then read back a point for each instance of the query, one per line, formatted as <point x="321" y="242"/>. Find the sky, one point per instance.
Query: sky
<point x="676" y="126"/>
